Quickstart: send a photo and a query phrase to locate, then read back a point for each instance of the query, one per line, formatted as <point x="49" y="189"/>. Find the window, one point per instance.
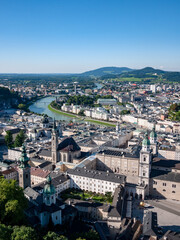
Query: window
<point x="174" y="185"/>
<point x="144" y="159"/>
<point x="144" y="174"/>
<point x="164" y="184"/>
<point x="26" y="175"/>
<point x="154" y="188"/>
<point x="56" y="217"/>
<point x="154" y="182"/>
<point x="173" y="192"/>
<point x="164" y="190"/>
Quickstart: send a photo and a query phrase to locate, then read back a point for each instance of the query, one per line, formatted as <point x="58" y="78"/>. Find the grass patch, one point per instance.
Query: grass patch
<point x="100" y="123"/>
<point x="60" y="112"/>
<point x="86" y="196"/>
<point x="130" y="79"/>
<point x="74" y="116"/>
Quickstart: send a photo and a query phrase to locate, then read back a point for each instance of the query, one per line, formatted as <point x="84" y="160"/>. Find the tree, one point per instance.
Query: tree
<point x="81" y="113"/>
<point x="91" y="235"/>
<point x="19" y="139"/>
<point x="9" y="139"/>
<point x="22" y="106"/>
<point x="23" y="233"/>
<point x="124" y="112"/>
<point x="5" y="232"/>
<point x="53" y="236"/>
<point x="12" y="202"/>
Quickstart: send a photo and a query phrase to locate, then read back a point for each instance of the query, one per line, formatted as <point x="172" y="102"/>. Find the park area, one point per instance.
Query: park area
<point x="87" y="196"/>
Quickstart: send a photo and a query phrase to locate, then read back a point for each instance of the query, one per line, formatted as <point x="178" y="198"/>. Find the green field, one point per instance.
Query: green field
<point x="60" y="112"/>
<point x="100" y="123"/>
<point x="86" y="196"/>
<point x="130" y="79"/>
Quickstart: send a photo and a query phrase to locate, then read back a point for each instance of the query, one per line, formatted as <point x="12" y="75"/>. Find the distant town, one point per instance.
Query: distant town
<point x="91" y="156"/>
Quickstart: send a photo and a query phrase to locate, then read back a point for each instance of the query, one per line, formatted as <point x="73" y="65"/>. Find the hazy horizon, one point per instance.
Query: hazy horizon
<point x="83" y="71"/>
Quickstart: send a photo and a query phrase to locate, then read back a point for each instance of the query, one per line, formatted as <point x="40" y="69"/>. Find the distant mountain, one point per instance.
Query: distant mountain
<point x="148" y="70"/>
<point x="146" y="74"/>
<point x="106" y="71"/>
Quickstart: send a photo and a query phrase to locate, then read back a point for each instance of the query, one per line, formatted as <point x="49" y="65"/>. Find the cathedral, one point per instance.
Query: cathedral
<point x="66" y="150"/>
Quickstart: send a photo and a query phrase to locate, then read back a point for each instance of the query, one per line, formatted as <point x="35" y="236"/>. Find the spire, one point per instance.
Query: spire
<point x="145" y="143"/>
<point x="24" y="158"/>
<point x="153" y="135"/>
<point x="54" y="124"/>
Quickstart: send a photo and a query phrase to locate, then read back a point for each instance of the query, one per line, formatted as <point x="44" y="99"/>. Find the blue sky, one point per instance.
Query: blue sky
<point x="69" y="36"/>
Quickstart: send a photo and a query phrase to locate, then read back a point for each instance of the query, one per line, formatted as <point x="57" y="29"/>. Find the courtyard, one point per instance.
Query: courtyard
<point x="86" y="196"/>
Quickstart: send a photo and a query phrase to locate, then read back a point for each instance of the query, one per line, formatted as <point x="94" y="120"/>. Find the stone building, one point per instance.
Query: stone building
<point x="65" y="151"/>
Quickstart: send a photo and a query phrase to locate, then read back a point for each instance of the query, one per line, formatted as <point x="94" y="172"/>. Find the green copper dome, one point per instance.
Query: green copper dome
<point x="49" y="188"/>
<point x="24" y="158"/>
<point x="146" y="141"/>
<point x="153" y="134"/>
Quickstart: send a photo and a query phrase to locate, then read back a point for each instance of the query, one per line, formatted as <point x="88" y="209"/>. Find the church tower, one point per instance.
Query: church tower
<point x="24" y="170"/>
<point x="153" y="141"/>
<point x="49" y="192"/>
<point x="54" y="144"/>
<point x="145" y="162"/>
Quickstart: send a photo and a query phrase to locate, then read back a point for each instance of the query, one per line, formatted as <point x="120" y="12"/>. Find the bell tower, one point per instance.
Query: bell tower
<point x="49" y="192"/>
<point x="24" y="170"/>
<point x="145" y="162"/>
<point x="153" y="141"/>
<point x="54" y="144"/>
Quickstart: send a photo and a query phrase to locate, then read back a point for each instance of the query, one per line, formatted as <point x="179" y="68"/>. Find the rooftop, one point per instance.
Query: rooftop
<point x="106" y="176"/>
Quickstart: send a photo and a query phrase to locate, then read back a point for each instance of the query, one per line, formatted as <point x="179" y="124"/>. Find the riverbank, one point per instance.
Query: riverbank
<point x="108" y="124"/>
<point x="61" y="112"/>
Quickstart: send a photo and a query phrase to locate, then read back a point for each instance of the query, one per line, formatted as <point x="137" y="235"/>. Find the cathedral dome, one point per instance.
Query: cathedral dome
<point x="146" y="141"/>
<point x="49" y="188"/>
<point x="153" y="134"/>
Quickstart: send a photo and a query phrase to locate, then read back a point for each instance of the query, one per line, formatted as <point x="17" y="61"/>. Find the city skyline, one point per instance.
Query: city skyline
<point x="74" y="37"/>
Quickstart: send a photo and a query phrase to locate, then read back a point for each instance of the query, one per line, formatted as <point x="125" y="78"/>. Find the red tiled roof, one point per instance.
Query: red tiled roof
<point x="6" y="172"/>
<point x="39" y="172"/>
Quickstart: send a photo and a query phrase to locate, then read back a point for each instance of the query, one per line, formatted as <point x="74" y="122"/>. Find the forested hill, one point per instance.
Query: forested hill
<point x="106" y="70"/>
<point x="145" y="74"/>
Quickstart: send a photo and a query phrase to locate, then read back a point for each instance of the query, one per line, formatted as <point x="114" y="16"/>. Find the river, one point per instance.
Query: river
<point x="41" y="106"/>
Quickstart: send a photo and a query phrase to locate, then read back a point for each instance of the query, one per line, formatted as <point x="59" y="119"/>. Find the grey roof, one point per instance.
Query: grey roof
<point x="31" y="193"/>
<point x="119" y="153"/>
<point x="150" y="224"/>
<point x="106" y="176"/>
<point x="56" y="180"/>
<point x="45" y="153"/>
<point x="170" y="235"/>
<point x="44" y="208"/>
<point x="81" y="203"/>
<point x="160" y="162"/>
<point x="68" y="144"/>
<point x="165" y="175"/>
